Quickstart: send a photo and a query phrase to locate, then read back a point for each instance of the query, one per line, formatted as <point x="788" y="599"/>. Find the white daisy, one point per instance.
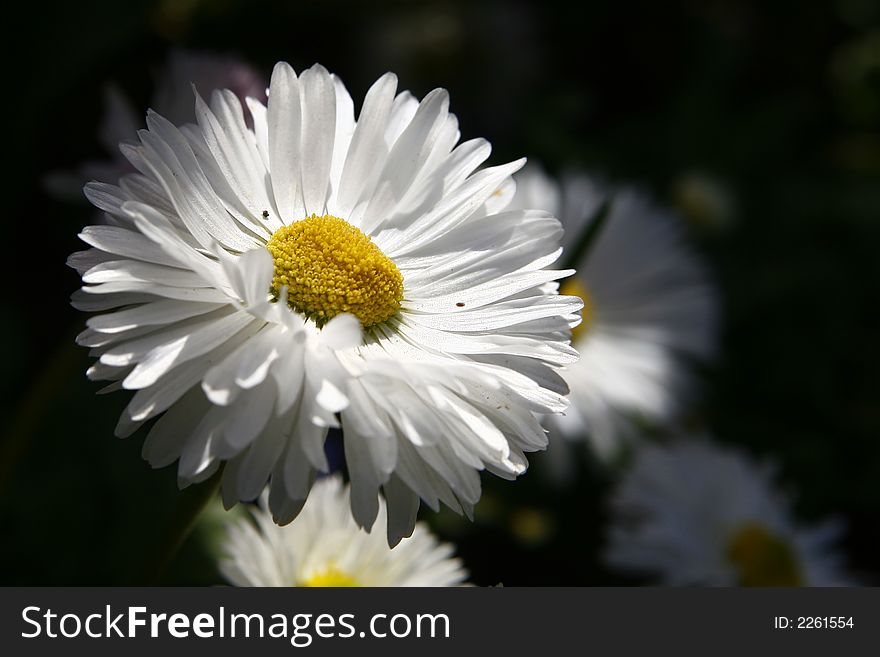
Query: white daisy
<point x="649" y="306"/>
<point x="172" y="98"/>
<point x="698" y="514"/>
<point x="315" y="271"/>
<point x="325" y="547"/>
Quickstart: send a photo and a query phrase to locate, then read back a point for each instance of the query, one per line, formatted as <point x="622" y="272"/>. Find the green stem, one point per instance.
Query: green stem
<point x="589" y="236"/>
<point x="192" y="501"/>
<point x="32" y="405"/>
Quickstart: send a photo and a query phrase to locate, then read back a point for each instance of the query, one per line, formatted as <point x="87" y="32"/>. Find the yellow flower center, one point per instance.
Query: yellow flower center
<point x="762" y="558"/>
<point x="576" y="288"/>
<point x="331" y="267"/>
<point x="330" y="577"/>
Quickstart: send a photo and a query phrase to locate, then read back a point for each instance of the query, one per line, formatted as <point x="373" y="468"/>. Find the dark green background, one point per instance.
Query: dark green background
<point x="778" y="100"/>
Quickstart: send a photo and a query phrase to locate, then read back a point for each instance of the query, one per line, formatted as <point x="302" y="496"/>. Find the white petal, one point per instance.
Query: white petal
<point x="149" y="314"/>
<point x="298" y="473"/>
<point x="502" y="314"/>
<point x="168" y="435"/>
<point x="127" y="243"/>
<point x="284" y="121"/>
<point x="104" y="196"/>
<point x="318" y="134"/>
<point x="364" y="480"/>
<point x="342" y="332"/>
<point x="173" y="162"/>
<point x="345" y="127"/>
<point x="195" y="343"/>
<point x="406" y="158"/>
<point x="403" y="505"/>
<point x="134" y="270"/>
<point x="158" y="229"/>
<point x="248" y="416"/>
<point x="451" y="211"/>
<point x="330" y="397"/>
<point x="259" y="461"/>
<point x="235" y="151"/>
<point x="367" y="148"/>
<point x="155" y="399"/>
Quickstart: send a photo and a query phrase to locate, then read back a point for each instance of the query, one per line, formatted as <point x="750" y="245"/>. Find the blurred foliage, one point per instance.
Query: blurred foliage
<point x="776" y="103"/>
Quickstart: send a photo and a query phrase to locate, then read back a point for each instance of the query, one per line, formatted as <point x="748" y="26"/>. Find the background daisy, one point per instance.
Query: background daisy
<point x="325" y="547"/>
<point x="650" y="307"/>
<point x="172" y="98"/>
<point x="695" y="513"/>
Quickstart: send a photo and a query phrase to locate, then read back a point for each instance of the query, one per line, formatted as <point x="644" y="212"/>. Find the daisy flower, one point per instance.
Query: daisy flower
<point x="697" y="514"/>
<point x="325" y="547"/>
<point x="649" y="306"/>
<point x="172" y="98"/>
<point x="315" y="271"/>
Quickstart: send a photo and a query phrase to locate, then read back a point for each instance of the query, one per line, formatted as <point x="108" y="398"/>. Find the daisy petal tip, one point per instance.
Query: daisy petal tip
<point x="282" y="72"/>
<point x="331" y="398"/>
<point x="218" y="396"/>
<point x="342" y="332"/>
<point x="319" y="69"/>
<point x="389" y="78"/>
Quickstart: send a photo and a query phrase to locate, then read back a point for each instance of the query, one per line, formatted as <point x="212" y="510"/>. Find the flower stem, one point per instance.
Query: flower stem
<point x="32" y="405"/>
<point x="191" y="503"/>
<point x="589" y="236"/>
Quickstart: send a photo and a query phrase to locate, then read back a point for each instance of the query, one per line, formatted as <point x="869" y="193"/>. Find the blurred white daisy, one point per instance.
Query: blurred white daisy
<point x="318" y="271"/>
<point x="649" y="305"/>
<point x="325" y="547"/>
<point x="172" y="98"/>
<point x="698" y="514"/>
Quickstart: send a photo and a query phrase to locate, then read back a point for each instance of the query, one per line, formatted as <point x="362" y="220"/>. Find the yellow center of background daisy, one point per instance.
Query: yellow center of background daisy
<point x="762" y="558"/>
<point x="331" y="267"/>
<point x="575" y="287"/>
<point x="332" y="576"/>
